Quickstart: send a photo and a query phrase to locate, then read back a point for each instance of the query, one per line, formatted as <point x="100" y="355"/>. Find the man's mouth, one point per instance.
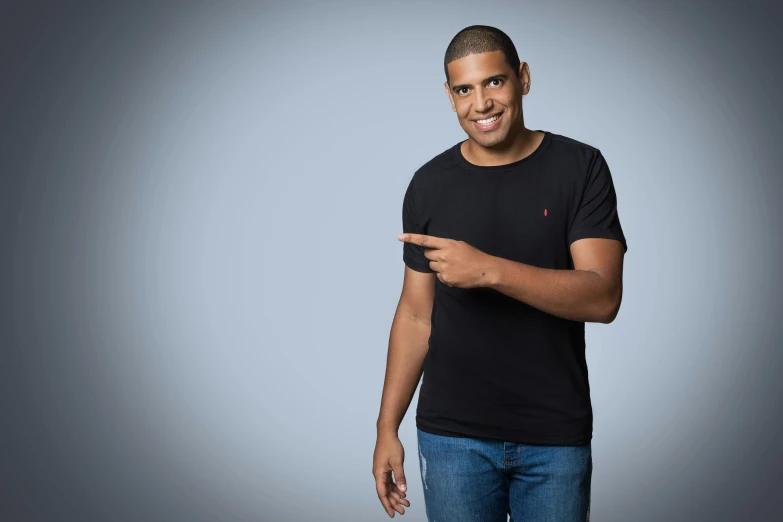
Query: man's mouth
<point x="488" y="123"/>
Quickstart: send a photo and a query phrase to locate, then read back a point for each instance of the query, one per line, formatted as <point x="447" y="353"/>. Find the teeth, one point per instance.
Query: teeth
<point x="489" y="120"/>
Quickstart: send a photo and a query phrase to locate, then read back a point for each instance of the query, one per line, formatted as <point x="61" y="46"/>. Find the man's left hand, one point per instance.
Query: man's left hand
<point x="456" y="263"/>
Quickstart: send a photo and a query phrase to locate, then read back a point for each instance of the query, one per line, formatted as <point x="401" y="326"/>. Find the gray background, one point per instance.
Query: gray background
<point x="199" y="210"/>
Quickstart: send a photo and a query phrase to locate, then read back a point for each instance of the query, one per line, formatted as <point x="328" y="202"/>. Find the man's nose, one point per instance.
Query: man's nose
<point x="482" y="102"/>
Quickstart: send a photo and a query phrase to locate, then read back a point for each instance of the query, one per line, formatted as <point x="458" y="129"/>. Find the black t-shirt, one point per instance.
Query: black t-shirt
<point x="496" y="367"/>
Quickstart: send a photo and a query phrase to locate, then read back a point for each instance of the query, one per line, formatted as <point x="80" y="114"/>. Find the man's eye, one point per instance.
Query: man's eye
<point x="461" y="89"/>
<point x="496" y="80"/>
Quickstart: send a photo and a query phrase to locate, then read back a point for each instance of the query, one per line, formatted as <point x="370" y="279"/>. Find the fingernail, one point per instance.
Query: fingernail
<point x="402" y="487"/>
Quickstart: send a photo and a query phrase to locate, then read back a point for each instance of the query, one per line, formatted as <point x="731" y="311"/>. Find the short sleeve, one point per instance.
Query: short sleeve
<point x="413" y="255"/>
<point x="597" y="215"/>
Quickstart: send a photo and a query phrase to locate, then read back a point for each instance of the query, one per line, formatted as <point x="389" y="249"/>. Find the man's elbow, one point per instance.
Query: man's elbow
<point x="608" y="318"/>
<point x="611" y="305"/>
<point x="611" y="309"/>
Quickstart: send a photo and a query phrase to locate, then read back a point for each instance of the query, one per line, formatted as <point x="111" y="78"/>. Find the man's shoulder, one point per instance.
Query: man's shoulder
<point x="573" y="145"/>
<point x="439" y="161"/>
<point x="436" y="167"/>
<point x="581" y="153"/>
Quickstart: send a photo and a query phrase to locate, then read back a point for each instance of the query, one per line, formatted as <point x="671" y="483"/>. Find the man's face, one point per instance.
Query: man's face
<point x="482" y="87"/>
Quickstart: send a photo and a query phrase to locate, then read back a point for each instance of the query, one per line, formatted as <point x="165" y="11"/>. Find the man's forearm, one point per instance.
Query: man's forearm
<point x="408" y="345"/>
<point x="578" y="295"/>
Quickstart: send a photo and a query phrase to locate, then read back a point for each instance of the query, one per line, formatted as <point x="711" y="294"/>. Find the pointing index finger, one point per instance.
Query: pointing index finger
<point x="422" y="240"/>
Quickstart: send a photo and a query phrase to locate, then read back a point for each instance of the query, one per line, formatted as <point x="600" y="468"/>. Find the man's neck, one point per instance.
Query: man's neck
<point x="525" y="144"/>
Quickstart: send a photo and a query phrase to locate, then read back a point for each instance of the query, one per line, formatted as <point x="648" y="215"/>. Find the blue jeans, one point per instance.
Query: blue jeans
<point x="485" y="480"/>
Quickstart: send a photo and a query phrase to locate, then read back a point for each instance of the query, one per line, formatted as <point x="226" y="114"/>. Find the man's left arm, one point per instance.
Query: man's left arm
<point x="591" y="292"/>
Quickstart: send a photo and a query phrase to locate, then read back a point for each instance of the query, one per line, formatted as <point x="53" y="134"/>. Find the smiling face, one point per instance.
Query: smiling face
<point x="487" y="94"/>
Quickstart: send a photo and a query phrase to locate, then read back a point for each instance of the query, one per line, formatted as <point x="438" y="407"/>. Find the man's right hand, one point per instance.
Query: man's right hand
<point x="388" y="457"/>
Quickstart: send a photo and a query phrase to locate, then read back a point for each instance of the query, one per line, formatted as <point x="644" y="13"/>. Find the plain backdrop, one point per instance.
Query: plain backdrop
<point x="199" y="206"/>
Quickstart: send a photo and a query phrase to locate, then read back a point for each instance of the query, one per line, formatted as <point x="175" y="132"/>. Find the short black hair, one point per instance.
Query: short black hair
<point x="480" y="39"/>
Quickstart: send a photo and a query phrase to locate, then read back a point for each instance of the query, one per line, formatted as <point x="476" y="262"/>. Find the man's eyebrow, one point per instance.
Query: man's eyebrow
<point x="487" y="79"/>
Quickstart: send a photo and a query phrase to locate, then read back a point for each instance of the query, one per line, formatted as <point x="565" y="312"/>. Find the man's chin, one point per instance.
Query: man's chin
<point x="487" y="141"/>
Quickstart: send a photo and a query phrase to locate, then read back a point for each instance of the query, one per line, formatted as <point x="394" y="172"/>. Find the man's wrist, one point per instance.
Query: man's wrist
<point x="493" y="272"/>
<point x="386" y="427"/>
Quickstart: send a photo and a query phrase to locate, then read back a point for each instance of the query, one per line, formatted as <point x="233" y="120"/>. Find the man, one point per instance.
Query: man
<point x="512" y="242"/>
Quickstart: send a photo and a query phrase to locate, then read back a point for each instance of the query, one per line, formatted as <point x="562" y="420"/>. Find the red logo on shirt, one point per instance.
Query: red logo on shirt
<point x="545" y="212"/>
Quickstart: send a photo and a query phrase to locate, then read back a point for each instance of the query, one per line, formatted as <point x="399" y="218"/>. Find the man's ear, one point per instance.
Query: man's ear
<point x="524" y="77"/>
<point x="448" y="93"/>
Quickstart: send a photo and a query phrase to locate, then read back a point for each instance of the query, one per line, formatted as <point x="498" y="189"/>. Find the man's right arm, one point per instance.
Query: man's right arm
<point x="408" y="346"/>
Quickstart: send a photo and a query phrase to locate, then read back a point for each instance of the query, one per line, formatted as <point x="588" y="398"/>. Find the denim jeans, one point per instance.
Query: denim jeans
<point x="485" y="480"/>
